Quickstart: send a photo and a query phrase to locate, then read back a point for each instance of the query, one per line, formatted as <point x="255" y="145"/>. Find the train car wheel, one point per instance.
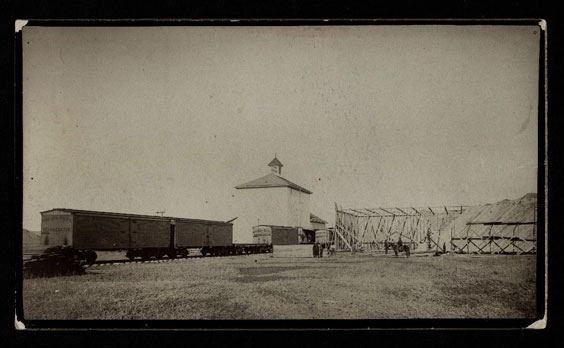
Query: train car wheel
<point x="91" y="257"/>
<point x="145" y="255"/>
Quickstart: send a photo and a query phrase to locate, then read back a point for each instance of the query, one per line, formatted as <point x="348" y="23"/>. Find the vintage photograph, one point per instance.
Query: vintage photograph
<point x="281" y="172"/>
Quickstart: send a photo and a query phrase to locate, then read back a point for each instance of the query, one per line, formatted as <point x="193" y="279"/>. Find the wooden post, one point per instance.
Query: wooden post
<point x="513" y="239"/>
<point x="391" y="224"/>
<point x="377" y="229"/>
<point x="490" y="239"/>
<point x="467" y="242"/>
<point x="451" y="230"/>
<point x="439" y="239"/>
<point x="337" y="228"/>
<point x="403" y="226"/>
<point x="336" y="222"/>
<point x="365" y="228"/>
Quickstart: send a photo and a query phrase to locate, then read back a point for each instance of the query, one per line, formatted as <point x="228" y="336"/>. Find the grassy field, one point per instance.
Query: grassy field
<point x="292" y="286"/>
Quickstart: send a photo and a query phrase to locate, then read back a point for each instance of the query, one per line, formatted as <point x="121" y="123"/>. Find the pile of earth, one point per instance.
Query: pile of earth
<point x="31" y="238"/>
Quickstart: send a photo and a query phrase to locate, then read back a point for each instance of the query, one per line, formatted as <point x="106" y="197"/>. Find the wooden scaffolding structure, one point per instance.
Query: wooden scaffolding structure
<point x="502" y="238"/>
<point x="368" y="229"/>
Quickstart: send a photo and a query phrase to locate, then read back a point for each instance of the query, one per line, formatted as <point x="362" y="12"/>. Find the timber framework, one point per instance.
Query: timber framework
<point x="423" y="228"/>
<point x="507" y="227"/>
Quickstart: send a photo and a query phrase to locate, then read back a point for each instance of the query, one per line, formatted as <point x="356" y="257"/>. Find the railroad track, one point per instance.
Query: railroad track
<point x="163" y="260"/>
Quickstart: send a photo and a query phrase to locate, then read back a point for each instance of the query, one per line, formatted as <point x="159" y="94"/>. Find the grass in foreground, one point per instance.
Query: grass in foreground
<point x="271" y="287"/>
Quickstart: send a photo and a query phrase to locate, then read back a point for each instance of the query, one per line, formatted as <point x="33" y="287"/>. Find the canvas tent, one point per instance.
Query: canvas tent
<point x="509" y="226"/>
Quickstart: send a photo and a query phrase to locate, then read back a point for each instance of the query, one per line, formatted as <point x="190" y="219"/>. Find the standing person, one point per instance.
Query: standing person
<point x="315" y="249"/>
<point x="321" y="246"/>
<point x="386" y="246"/>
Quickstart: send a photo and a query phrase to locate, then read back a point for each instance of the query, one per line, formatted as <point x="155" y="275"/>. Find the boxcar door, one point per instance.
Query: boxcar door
<point x="220" y="235"/>
<point x="100" y="232"/>
<point x="190" y="234"/>
<point x="172" y="242"/>
<point x="148" y="233"/>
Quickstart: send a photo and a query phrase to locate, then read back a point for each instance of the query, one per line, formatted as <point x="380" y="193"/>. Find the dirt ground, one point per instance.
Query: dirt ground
<point x="290" y="284"/>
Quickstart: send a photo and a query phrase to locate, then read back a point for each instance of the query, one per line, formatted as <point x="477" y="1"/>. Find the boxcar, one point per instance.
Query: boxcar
<point x="195" y="234"/>
<point x="92" y="230"/>
<point x="83" y="232"/>
<point x="276" y="235"/>
<point x="141" y="235"/>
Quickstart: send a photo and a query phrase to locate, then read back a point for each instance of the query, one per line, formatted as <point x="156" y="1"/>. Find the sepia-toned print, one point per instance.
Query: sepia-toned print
<point x="281" y="172"/>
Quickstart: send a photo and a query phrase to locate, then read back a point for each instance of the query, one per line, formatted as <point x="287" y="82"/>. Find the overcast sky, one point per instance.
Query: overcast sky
<point x="139" y="120"/>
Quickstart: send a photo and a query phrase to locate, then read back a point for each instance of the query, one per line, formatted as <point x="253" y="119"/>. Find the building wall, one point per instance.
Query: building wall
<point x="280" y="206"/>
<point x="259" y="206"/>
<point x="298" y="209"/>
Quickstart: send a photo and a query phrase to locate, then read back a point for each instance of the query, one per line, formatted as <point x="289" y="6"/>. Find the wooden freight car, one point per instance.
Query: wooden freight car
<point x="276" y="235"/>
<point x="141" y="236"/>
<point x="70" y="238"/>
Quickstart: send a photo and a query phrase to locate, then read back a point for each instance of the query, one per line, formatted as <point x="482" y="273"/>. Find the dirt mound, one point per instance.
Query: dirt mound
<point x="528" y="198"/>
<point x="31" y="238"/>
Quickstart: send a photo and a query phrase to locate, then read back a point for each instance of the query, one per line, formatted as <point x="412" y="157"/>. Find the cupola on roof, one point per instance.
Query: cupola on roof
<point x="275" y="163"/>
<point x="274" y="179"/>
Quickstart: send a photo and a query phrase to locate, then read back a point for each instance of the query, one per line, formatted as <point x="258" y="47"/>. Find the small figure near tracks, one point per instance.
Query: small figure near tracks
<point x="400" y="247"/>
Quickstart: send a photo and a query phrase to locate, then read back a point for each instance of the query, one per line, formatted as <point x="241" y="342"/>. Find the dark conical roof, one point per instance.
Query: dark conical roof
<point x="275" y="163"/>
<point x="271" y="180"/>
